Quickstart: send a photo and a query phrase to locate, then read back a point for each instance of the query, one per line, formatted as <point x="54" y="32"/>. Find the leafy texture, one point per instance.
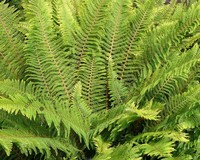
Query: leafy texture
<point x="100" y="80"/>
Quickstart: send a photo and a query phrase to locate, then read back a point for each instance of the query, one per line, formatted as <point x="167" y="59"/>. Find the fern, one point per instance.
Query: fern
<point x="99" y="79"/>
<point x="49" y="67"/>
<point x="11" y="52"/>
<point x="138" y="27"/>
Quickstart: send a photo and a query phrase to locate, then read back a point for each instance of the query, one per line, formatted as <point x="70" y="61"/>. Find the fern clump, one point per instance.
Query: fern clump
<point x="99" y="79"/>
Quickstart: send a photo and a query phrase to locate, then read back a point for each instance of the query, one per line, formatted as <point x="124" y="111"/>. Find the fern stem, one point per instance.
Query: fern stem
<point x="89" y="82"/>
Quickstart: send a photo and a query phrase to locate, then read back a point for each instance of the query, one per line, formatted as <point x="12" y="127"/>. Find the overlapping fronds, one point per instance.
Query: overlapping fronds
<point x="93" y="78"/>
<point x="138" y="25"/>
<point x="47" y="62"/>
<point x="117" y="90"/>
<point x="160" y="45"/>
<point x="119" y="118"/>
<point x="168" y="80"/>
<point x="20" y="101"/>
<point x="28" y="142"/>
<point x="125" y="151"/>
<point x="88" y="39"/>
<point x="68" y="21"/>
<point x="100" y="79"/>
<point x="11" y="45"/>
<point x="181" y="103"/>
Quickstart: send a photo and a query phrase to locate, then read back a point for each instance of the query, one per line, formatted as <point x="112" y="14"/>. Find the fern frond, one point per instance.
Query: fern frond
<point x="80" y="115"/>
<point x="106" y="119"/>
<point x="28" y="142"/>
<point x="167" y="81"/>
<point x="117" y="91"/>
<point x="68" y="21"/>
<point x="93" y="78"/>
<point x="11" y="46"/>
<point x="77" y="117"/>
<point x="13" y="87"/>
<point x="159" y="46"/>
<point x="180" y="107"/>
<point x="190" y="41"/>
<point x="116" y="28"/>
<point x="139" y="24"/>
<point x="46" y="60"/>
<point x="149" y="136"/>
<point x="125" y="151"/>
<point x="182" y="101"/>
<point x="133" y="113"/>
<point x="91" y="23"/>
<point x="160" y="149"/>
<point x="121" y="117"/>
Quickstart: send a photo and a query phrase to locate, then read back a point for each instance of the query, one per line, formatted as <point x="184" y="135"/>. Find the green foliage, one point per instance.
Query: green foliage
<point x="99" y="79"/>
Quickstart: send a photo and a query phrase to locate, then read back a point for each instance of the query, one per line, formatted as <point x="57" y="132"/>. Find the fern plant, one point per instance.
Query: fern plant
<point x="99" y="79"/>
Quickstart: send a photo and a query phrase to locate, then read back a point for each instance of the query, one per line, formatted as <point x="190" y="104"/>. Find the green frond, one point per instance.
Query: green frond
<point x="93" y="79"/>
<point x="53" y="113"/>
<point x="13" y="87"/>
<point x="106" y="119"/>
<point x="160" y="149"/>
<point x="131" y="114"/>
<point x="182" y="101"/>
<point x="11" y="45"/>
<point x="48" y="67"/>
<point x="139" y="25"/>
<point x="80" y="115"/>
<point x="116" y="28"/>
<point x="189" y="120"/>
<point x="28" y="142"/>
<point x="159" y="46"/>
<point x="119" y="118"/>
<point x="148" y="136"/>
<point x="190" y="41"/>
<point x="92" y="21"/>
<point x="167" y="80"/>
<point x="15" y="104"/>
<point x="182" y="108"/>
<point x="125" y="151"/>
<point x="68" y="21"/>
<point x="118" y="92"/>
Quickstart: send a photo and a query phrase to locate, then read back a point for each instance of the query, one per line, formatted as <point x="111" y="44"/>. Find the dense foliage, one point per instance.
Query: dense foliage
<point x="100" y="80"/>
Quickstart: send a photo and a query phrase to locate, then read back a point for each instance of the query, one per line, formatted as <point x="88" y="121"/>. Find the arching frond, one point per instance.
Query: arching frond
<point x="68" y="21"/>
<point x="46" y="60"/>
<point x="88" y="39"/>
<point x="139" y="24"/>
<point x="11" y="45"/>
<point x="93" y="78"/>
